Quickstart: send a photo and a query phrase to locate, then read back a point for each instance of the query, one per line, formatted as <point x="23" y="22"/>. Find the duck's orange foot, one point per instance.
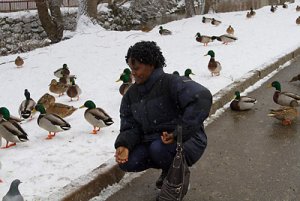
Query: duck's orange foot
<point x="50" y="136"/>
<point x="286" y="122"/>
<point x="94" y="132"/>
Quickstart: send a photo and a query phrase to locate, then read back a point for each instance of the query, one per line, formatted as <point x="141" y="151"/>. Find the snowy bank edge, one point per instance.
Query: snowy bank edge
<point x="90" y="185"/>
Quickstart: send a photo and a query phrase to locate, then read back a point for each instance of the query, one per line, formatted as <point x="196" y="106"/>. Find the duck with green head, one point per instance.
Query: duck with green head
<point x="285" y="114"/>
<point x="10" y="130"/>
<point x="187" y="73"/>
<point x="241" y="103"/>
<point x="284" y="98"/>
<point x="163" y="31"/>
<point x="125" y="78"/>
<point x="213" y="66"/>
<point x="27" y="106"/>
<point x="225" y="38"/>
<point x="203" y="39"/>
<point x="96" y="116"/>
<point x="51" y="122"/>
<point x="74" y="90"/>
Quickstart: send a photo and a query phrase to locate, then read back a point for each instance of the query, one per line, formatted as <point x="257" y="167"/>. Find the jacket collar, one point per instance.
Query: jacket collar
<point x="146" y="87"/>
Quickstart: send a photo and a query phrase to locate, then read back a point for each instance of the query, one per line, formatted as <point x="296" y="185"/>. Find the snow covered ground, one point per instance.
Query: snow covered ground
<point x="97" y="58"/>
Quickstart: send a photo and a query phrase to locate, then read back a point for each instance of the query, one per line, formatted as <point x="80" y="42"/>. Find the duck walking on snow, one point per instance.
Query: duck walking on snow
<point x="51" y="122"/>
<point x="203" y="39"/>
<point x="74" y="90"/>
<point x="19" y="62"/>
<point x="10" y="130"/>
<point x="241" y="103"/>
<point x="284" y="98"/>
<point x="27" y="106"/>
<point x="13" y="193"/>
<point x="163" y="31"/>
<point x="64" y="71"/>
<point x="225" y="38"/>
<point x="213" y="66"/>
<point x="96" y="116"/>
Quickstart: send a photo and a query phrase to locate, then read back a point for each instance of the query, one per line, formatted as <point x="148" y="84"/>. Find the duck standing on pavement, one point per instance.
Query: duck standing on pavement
<point x="285" y="114"/>
<point x="284" y="98"/>
<point x="241" y="103"/>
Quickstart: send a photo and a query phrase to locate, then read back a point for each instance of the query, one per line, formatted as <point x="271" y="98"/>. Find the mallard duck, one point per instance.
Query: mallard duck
<point x="206" y="20"/>
<point x="213" y="66"/>
<point x="46" y="100"/>
<point x="285" y="114"/>
<point x="203" y="39"/>
<point x="284" y="98"/>
<point x="230" y="30"/>
<point x="215" y="22"/>
<point x="225" y="38"/>
<point x="62" y="110"/>
<point x="252" y="12"/>
<point x="27" y="106"/>
<point x="67" y="79"/>
<point x="273" y="8"/>
<point x="284" y="5"/>
<point x="248" y="15"/>
<point x="74" y="90"/>
<point x="241" y="103"/>
<point x="298" y="20"/>
<point x="96" y="116"/>
<point x="57" y="87"/>
<point x="127" y="71"/>
<point x="187" y="73"/>
<point x="51" y="122"/>
<point x="62" y="71"/>
<point x="19" y="61"/>
<point x="296" y="78"/>
<point x="11" y="131"/>
<point x="125" y="78"/>
<point x="163" y="31"/>
<point x="298" y="8"/>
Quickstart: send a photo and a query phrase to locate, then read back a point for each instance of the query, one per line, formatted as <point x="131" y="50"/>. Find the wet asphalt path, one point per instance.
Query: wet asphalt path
<point x="250" y="156"/>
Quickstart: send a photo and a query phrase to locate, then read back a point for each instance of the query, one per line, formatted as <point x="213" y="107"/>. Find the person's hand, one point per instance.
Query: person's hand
<point x="167" y="138"/>
<point x="121" y="154"/>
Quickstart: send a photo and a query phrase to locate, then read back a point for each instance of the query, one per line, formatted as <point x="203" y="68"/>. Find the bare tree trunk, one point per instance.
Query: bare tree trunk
<point x="52" y="24"/>
<point x="208" y="4"/>
<point x="189" y="8"/>
<point x="89" y="8"/>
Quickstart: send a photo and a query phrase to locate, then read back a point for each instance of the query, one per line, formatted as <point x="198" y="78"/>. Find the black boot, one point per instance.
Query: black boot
<point x="161" y="179"/>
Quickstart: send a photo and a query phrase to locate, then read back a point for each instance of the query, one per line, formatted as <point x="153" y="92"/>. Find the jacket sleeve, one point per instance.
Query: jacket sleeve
<point x="129" y="130"/>
<point x="194" y="102"/>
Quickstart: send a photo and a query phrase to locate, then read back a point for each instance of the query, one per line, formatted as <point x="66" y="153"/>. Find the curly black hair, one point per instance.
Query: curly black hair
<point x="146" y="52"/>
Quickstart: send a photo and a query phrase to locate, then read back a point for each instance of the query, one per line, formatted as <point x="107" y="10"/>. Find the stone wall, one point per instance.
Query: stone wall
<point x="25" y="33"/>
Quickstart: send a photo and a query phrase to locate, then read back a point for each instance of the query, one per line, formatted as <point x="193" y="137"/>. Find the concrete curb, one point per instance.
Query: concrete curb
<point x="90" y="185"/>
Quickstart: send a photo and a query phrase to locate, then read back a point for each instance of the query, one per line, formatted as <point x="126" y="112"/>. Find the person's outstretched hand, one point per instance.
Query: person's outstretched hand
<point x="167" y="138"/>
<point x="121" y="154"/>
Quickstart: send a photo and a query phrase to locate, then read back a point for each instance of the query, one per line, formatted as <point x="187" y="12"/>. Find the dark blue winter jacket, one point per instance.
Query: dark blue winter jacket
<point x="158" y="105"/>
